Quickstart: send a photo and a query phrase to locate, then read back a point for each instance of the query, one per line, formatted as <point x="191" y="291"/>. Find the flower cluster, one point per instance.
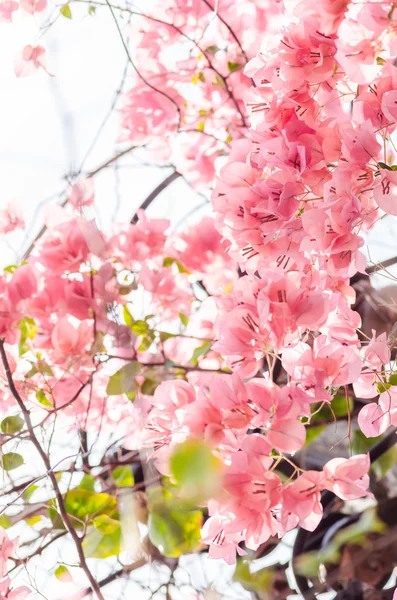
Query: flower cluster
<point x="316" y="170"/>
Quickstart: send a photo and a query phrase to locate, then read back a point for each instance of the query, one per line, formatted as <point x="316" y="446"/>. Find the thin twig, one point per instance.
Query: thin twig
<point x="61" y="504"/>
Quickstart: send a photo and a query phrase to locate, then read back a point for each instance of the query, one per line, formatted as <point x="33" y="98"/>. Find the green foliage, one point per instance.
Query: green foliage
<point x="169" y="261"/>
<point x="87" y="483"/>
<point x="149" y="386"/>
<point x="383" y="165"/>
<point x="195" y="470"/>
<point x="65" y="11"/>
<point x="123" y="476"/>
<point x="184" y="319"/>
<point x="97" y="544"/>
<point x="105" y="524"/>
<point x="11" y="425"/>
<point x="42" y="398"/>
<point x="312" y="433"/>
<point x="338" y="407"/>
<point x="5" y="521"/>
<point x="27" y="328"/>
<point x="212" y="50"/>
<point x="259" y="582"/>
<point x="11" y="461"/>
<point x="63" y="574"/>
<point x="361" y="445"/>
<point x="173" y="529"/>
<point x="200" y="351"/>
<point x="233" y="67"/>
<point x="123" y="381"/>
<point x="28" y="493"/>
<point x="83" y="506"/>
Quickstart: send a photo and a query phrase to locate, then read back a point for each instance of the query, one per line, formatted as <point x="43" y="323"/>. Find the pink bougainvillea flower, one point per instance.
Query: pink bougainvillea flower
<point x="7" y="7"/>
<point x="385" y="192"/>
<point x="11" y="218"/>
<point x="81" y="193"/>
<point x="348" y="477"/>
<point x="33" y="6"/>
<point x="19" y="593"/>
<point x="29" y="60"/>
<point x="7" y="549"/>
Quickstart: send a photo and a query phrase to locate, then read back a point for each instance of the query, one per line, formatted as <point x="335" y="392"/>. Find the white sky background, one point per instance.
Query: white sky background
<point x="47" y="125"/>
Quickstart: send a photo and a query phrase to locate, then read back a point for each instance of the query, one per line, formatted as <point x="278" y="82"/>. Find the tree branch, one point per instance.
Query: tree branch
<point x="112" y="577"/>
<point x="61" y="505"/>
<point x="153" y="195"/>
<point x="381" y="265"/>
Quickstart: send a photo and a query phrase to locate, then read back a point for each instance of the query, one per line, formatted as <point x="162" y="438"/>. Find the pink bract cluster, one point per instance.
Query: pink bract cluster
<point x="316" y="170"/>
<point x="7" y="549"/>
<point x="88" y="303"/>
<point x="186" y="104"/>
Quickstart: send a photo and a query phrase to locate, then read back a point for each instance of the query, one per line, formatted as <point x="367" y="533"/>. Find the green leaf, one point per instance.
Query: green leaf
<point x="27" y="327"/>
<point x="200" y="351"/>
<point x="63" y="574"/>
<point x="212" y="50"/>
<point x="105" y="524"/>
<point x="149" y="386"/>
<point x="42" y="398"/>
<point x="128" y="318"/>
<point x="29" y="492"/>
<point x="218" y="82"/>
<point x="102" y="545"/>
<point x="385" y="462"/>
<point x="11" y="461"/>
<point x="140" y="327"/>
<point x="65" y="11"/>
<point x="383" y="165"/>
<point x="166" y="335"/>
<point x="171" y="528"/>
<point x="92" y="10"/>
<point x="11" y="425"/>
<point x="339" y="408"/>
<point x="259" y="582"/>
<point x="33" y="520"/>
<point x="83" y="506"/>
<point x="380" y="60"/>
<point x="184" y="319"/>
<point x="5" y="521"/>
<point x="383" y="387"/>
<point x="195" y="470"/>
<point x="361" y="444"/>
<point x="123" y="380"/>
<point x="233" y="66"/>
<point x="393" y="379"/>
<point x="123" y="476"/>
<point x="312" y="433"/>
<point x="87" y="483"/>
<point x="11" y="268"/>
<point x="169" y="261"/>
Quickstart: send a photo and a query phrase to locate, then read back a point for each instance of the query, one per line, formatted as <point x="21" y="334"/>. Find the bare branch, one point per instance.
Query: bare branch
<point x="153" y="195"/>
<point x="44" y="457"/>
